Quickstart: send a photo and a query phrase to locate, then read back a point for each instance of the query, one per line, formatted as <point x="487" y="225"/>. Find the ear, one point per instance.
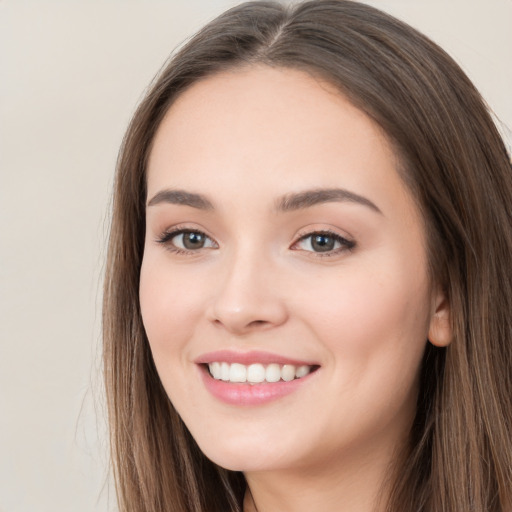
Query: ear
<point x="440" y="331"/>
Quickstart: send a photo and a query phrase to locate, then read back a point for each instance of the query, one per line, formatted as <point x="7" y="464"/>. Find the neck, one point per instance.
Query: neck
<point x="309" y="493"/>
<point x="346" y="484"/>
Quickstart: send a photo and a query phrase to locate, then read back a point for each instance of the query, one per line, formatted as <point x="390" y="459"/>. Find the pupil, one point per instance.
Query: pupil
<point x="193" y="240"/>
<point x="322" y="243"/>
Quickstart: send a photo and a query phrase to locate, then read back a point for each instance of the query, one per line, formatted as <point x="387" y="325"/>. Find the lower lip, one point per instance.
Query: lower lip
<point x="243" y="394"/>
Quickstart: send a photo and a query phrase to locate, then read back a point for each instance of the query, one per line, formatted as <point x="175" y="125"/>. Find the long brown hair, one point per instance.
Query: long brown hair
<point x="456" y="166"/>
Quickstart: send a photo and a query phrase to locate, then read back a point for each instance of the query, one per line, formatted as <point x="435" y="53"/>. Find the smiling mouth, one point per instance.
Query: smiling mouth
<point x="258" y="373"/>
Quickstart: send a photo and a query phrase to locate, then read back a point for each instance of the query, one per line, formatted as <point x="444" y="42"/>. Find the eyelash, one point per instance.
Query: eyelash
<point x="166" y="237"/>
<point x="346" y="245"/>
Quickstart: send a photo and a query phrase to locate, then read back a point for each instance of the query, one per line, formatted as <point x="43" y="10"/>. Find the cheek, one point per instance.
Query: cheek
<point x="374" y="328"/>
<point x="372" y="314"/>
<point x="170" y="306"/>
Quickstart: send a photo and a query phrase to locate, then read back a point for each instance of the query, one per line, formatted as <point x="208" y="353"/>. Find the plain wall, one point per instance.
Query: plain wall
<point x="71" y="74"/>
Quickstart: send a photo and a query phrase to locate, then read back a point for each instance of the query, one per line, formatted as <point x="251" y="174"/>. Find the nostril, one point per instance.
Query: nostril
<point x="253" y="314"/>
<point x="257" y="323"/>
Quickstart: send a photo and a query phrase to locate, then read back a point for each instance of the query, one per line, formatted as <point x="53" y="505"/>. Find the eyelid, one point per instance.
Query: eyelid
<point x="347" y="243"/>
<point x="165" y="237"/>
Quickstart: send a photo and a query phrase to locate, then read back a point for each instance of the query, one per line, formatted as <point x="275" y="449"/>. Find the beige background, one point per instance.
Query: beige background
<point x="71" y="73"/>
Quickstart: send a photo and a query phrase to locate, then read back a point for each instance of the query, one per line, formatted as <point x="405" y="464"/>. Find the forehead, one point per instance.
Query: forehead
<point x="270" y="130"/>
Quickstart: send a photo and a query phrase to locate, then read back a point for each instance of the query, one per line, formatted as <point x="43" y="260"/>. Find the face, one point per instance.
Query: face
<point x="285" y="256"/>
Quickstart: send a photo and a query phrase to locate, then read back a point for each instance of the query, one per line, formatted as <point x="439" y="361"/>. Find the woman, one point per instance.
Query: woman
<point x="308" y="291"/>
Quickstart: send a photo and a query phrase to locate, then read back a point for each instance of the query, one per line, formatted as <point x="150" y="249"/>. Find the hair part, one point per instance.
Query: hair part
<point x="455" y="164"/>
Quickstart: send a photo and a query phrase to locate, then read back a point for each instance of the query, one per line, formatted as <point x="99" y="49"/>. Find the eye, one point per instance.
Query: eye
<point x="186" y="240"/>
<point x="324" y="242"/>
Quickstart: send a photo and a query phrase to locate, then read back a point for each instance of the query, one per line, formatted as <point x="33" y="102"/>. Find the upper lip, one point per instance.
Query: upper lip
<point x="249" y="357"/>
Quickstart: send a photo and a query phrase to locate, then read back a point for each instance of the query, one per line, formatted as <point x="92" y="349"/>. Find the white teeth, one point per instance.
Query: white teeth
<point x="256" y="373"/>
<point x="237" y="373"/>
<point x="273" y="373"/>
<point x="302" y="371"/>
<point x="288" y="372"/>
<point x="224" y="371"/>
<point x="215" y="370"/>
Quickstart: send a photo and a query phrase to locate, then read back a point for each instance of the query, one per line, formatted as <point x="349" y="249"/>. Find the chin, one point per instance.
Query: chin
<point x="243" y="455"/>
<point x="245" y="463"/>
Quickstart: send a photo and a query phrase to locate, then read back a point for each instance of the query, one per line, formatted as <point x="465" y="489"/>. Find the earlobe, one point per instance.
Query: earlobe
<point x="440" y="331"/>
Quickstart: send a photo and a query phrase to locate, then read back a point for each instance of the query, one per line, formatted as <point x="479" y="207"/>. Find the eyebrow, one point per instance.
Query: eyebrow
<point x="308" y="198"/>
<point x="287" y="203"/>
<point x="181" y="197"/>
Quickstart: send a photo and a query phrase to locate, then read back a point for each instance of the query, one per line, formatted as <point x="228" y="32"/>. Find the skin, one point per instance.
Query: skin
<point x="244" y="139"/>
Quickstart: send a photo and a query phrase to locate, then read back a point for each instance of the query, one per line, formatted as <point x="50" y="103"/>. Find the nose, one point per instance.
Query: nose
<point x="249" y="296"/>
